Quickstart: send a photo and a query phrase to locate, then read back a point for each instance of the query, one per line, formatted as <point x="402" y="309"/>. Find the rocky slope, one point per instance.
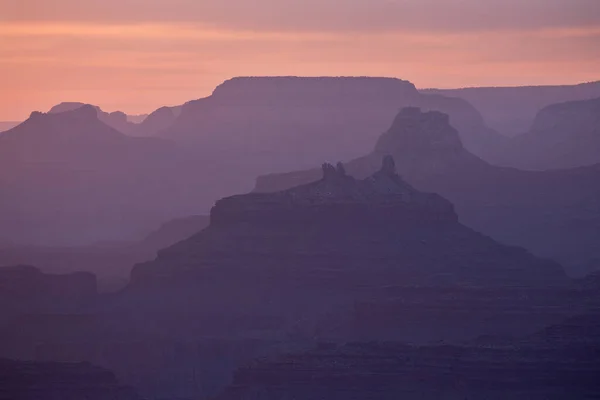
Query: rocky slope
<point x="559" y="362"/>
<point x="20" y="380"/>
<point x="529" y="209"/>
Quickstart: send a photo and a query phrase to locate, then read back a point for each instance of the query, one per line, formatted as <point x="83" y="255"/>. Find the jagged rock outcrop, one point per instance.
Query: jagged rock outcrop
<point x="27" y="380"/>
<point x="302" y="260"/>
<point x="340" y="224"/>
<point x="562" y="361"/>
<point x="525" y="208"/>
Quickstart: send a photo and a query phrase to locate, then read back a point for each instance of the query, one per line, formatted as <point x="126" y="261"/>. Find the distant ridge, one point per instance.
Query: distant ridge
<point x="117" y="120"/>
<point x="511" y="110"/>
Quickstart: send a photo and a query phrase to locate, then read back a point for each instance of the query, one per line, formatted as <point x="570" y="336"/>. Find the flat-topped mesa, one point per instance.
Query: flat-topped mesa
<point x="312" y="91"/>
<point x="383" y="198"/>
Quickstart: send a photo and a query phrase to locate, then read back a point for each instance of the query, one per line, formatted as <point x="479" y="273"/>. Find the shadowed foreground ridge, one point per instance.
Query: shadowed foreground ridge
<point x="22" y="380"/>
<point x="338" y="259"/>
<point x="560" y="362"/>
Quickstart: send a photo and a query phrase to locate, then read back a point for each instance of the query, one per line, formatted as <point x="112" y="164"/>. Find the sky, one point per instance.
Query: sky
<point x="138" y="55"/>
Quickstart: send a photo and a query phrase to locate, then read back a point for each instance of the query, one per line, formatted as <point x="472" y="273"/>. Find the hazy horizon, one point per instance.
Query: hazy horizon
<point x="136" y="56"/>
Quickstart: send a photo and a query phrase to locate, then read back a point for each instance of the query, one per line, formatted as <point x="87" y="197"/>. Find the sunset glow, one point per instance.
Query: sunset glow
<point x="136" y="56"/>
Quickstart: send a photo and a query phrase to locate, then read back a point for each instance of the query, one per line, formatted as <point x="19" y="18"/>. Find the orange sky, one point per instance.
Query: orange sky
<point x="137" y="55"/>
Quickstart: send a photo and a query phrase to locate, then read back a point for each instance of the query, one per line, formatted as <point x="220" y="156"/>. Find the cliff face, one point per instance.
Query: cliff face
<point x="529" y="209"/>
<point x="534" y="368"/>
<point x="20" y="380"/>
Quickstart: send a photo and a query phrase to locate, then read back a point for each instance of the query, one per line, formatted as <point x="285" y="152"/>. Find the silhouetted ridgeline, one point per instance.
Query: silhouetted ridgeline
<point x="563" y="135"/>
<point x="158" y="121"/>
<point x="531" y="209"/>
<point x="296" y="122"/>
<point x="339" y="259"/>
<point x="339" y="224"/>
<point x="351" y="253"/>
<point x="68" y="178"/>
<point x="117" y="120"/>
<point x="6" y="125"/>
<point x="511" y="110"/>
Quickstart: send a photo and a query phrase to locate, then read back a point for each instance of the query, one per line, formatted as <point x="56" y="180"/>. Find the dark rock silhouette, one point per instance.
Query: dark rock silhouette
<point x="66" y="174"/>
<point x="414" y="235"/>
<point x="511" y="110"/>
<point x="563" y="135"/>
<point x="26" y="380"/>
<point x="530" y="209"/>
<point x="338" y="259"/>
